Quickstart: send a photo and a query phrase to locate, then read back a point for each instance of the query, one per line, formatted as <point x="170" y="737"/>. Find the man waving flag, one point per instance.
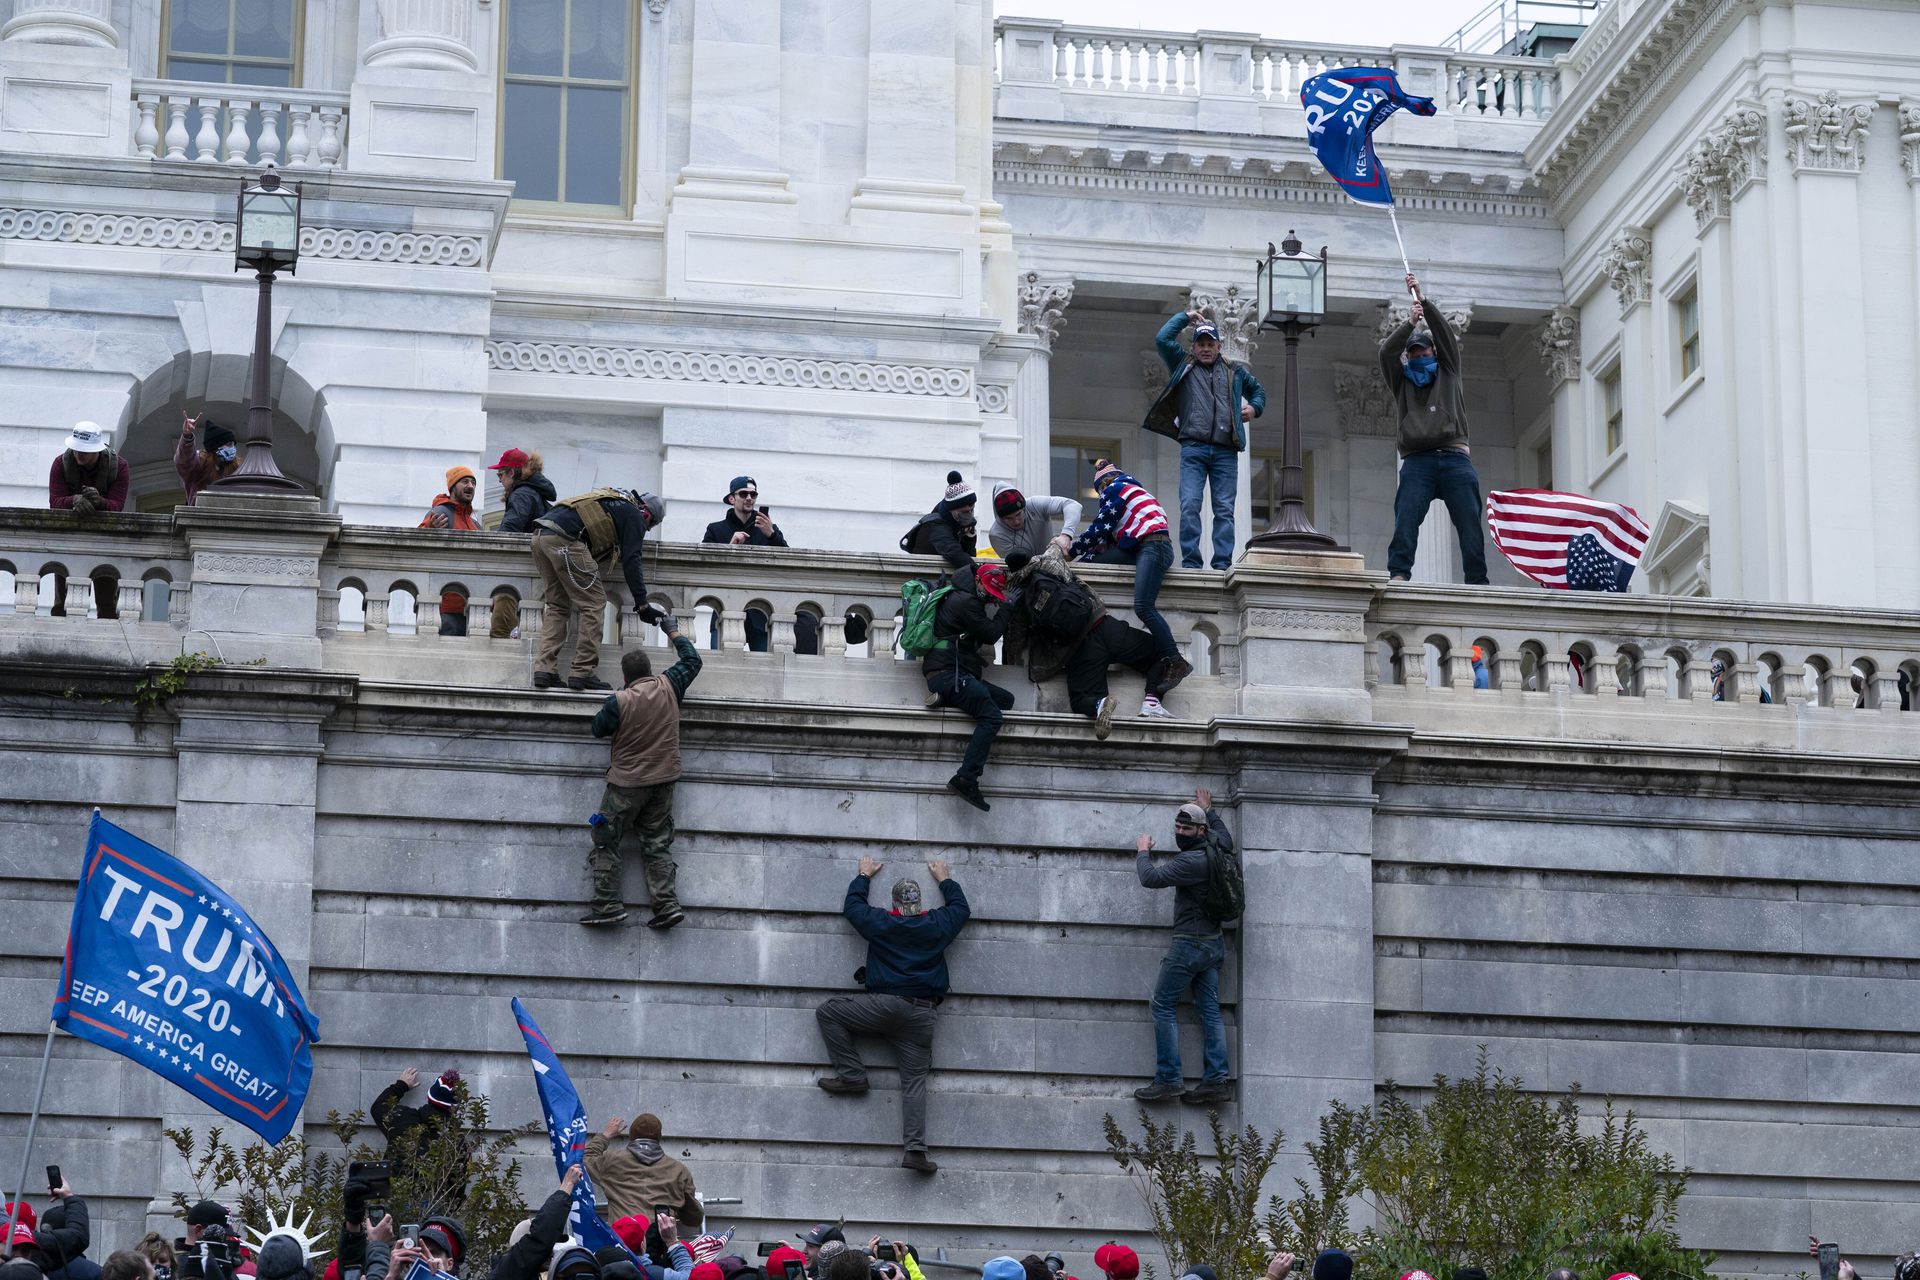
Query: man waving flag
<point x="1344" y="106"/>
<point x="566" y="1130"/>
<point x="1565" y="540"/>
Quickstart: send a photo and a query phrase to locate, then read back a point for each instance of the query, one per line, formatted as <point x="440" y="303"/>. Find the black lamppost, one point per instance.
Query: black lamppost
<point x="266" y="239"/>
<point x="1291" y="290"/>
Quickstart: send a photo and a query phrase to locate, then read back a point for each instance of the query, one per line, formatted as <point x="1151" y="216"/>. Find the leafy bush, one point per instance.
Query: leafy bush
<point x="1203" y="1209"/>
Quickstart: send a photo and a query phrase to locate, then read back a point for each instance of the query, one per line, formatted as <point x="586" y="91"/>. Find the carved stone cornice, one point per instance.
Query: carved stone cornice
<point x="1396" y="313"/>
<point x="144" y="231"/>
<point x="1153" y="371"/>
<point x="1365" y="407"/>
<point x="1235" y="313"/>
<point x="1824" y="136"/>
<point x="1910" y="137"/>
<point x="728" y="368"/>
<point x="1043" y="305"/>
<point x="1559" y="345"/>
<point x="1628" y="266"/>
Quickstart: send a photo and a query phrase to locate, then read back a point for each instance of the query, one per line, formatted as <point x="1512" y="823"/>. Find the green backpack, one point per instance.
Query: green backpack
<point x="919" y="603"/>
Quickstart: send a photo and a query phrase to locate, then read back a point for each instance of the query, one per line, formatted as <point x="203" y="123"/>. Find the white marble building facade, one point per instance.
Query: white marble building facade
<point x="846" y="246"/>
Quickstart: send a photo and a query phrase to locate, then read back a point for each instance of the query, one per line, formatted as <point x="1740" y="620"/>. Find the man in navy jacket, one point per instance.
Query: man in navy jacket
<point x="906" y="979"/>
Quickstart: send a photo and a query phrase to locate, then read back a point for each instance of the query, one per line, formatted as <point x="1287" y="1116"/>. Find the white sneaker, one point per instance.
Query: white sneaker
<point x="1103" y="718"/>
<point x="1151" y="707"/>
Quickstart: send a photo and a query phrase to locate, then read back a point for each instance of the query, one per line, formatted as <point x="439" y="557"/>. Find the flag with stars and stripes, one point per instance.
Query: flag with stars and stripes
<point x="164" y="968"/>
<point x="1566" y="540"/>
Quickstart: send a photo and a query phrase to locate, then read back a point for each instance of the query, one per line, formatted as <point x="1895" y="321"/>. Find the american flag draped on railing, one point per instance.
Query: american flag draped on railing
<point x="1566" y="540"/>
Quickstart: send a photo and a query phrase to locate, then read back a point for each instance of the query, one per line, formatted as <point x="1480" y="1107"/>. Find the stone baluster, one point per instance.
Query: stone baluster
<point x="781" y="639"/>
<point x="130" y="600"/>
<point x="177" y="136"/>
<point x="26" y="595"/>
<point x="377" y="604"/>
<point x="1886" y="689"/>
<point x="327" y="612"/>
<point x="328" y="153"/>
<point x="1603" y="677"/>
<point x="299" y="137"/>
<point x="733" y="630"/>
<point x="479" y="615"/>
<point x="833" y="636"/>
<point x="1653" y="677"/>
<point x="206" y="143"/>
<point x="1746" y="683"/>
<point x="180" y="604"/>
<point x="239" y="112"/>
<point x="1559" y="681"/>
<point x="880" y="634"/>
<point x="267" y="150"/>
<point x="80" y="597"/>
<point x="1413" y="668"/>
<point x="146" y="134"/>
<point x="1700" y="679"/>
<point x="1459" y="668"/>
<point x="1060" y="59"/>
<point x="1079" y="61"/>
<point x="426" y="614"/>
<point x="1793" y="683"/>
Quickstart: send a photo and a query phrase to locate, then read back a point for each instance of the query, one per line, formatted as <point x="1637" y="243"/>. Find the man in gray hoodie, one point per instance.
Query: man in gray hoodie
<point x="1194" y="959"/>
<point x="1421" y="362"/>
<point x="1024" y="526"/>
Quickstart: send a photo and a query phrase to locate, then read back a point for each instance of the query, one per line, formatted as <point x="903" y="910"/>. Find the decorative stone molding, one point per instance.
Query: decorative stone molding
<point x="1235" y="314"/>
<point x="1676" y="557"/>
<point x="78" y="22"/>
<point x="431" y="34"/>
<point x="1396" y="313"/>
<point x="142" y="231"/>
<point x="1270" y="622"/>
<point x="1365" y="407"/>
<point x="1153" y="372"/>
<point x="255" y="566"/>
<point x="1628" y="266"/>
<point x="734" y="369"/>
<point x="1730" y="158"/>
<point x="656" y="9"/>
<point x="1043" y="305"/>
<point x="993" y="397"/>
<point x="1825" y="137"/>
<point x="1559" y="345"/>
<point x="1910" y="137"/>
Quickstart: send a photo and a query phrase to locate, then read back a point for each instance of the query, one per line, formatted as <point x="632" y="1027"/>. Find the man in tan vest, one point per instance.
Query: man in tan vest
<point x="643" y="719"/>
<point x="577" y="546"/>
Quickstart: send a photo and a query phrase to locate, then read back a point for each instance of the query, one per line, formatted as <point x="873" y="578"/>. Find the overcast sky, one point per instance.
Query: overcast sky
<point x="1366" y="22"/>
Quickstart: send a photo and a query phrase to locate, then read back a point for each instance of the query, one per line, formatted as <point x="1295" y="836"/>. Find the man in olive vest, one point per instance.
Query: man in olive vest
<point x="576" y="545"/>
<point x="643" y="719"/>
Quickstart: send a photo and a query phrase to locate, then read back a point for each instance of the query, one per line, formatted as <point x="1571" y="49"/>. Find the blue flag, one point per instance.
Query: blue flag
<point x="566" y="1130"/>
<point x="1344" y="106"/>
<point x="164" y="968"/>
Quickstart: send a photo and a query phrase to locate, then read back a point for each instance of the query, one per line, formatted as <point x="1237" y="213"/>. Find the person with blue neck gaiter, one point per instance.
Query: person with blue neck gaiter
<point x="1421" y="361"/>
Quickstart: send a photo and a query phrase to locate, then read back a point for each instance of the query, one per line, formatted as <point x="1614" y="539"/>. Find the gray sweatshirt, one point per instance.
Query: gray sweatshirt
<point x="1181" y="873"/>
<point x="1039" y="528"/>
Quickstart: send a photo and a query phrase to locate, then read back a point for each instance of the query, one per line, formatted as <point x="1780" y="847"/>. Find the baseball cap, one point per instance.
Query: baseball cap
<point x="1003" y="1268"/>
<point x="510" y="458"/>
<point x="206" y="1214"/>
<point x="21" y="1235"/>
<point x="1118" y="1261"/>
<point x="776" y="1264"/>
<point x="632" y="1230"/>
<point x="741" y="482"/>
<point x="820" y="1233"/>
<point x="1205" y="329"/>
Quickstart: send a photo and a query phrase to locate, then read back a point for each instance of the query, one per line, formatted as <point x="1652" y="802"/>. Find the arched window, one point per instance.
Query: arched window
<point x="565" y="105"/>
<point x="233" y="41"/>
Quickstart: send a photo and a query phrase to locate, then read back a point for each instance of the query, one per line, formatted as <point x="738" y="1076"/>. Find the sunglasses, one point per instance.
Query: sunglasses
<point x="746" y="493"/>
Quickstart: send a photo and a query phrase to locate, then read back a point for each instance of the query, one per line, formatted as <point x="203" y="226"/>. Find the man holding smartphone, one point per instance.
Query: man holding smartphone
<point x="745" y="525"/>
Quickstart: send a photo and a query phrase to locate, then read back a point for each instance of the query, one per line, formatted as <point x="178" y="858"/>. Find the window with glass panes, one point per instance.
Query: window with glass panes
<point x="232" y="41"/>
<point x="1266" y="488"/>
<point x="1613" y="406"/>
<point x="564" y="105"/>
<point x="1686" y="320"/>
<point x="1070" y="467"/>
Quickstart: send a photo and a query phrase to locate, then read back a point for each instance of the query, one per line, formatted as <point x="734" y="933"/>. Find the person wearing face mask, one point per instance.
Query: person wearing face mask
<point x="216" y="458"/>
<point x="1421" y="361"/>
<point x="949" y="530"/>
<point x="1198" y="950"/>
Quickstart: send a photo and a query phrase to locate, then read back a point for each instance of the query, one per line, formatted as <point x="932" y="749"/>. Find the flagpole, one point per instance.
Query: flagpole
<point x="1395" y="219"/>
<point x="33" y="1122"/>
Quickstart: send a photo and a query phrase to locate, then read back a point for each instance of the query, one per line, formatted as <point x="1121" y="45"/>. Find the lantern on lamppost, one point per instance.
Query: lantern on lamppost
<point x="1290" y="288"/>
<point x="266" y="239"/>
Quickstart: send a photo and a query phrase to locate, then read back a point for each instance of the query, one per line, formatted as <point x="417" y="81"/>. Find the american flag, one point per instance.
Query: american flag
<point x="1566" y="540"/>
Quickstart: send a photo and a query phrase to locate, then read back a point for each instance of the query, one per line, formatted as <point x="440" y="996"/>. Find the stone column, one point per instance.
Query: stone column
<point x="256" y="577"/>
<point x="420" y="103"/>
<point x="1558" y="343"/>
<point x="67" y="81"/>
<point x="1043" y="304"/>
<point x="1628" y="266"/>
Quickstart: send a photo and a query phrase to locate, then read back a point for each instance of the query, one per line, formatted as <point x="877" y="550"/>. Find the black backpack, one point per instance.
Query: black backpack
<point x="1061" y="607"/>
<point x="1223" y="894"/>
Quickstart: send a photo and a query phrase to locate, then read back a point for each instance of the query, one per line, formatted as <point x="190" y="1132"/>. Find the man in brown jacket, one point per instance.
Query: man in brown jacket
<point x="641" y="1176"/>
<point x="643" y="719"/>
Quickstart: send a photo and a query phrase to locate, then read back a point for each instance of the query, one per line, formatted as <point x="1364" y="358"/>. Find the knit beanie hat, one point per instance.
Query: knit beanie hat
<point x="632" y="1230"/>
<point x="1003" y="1269"/>
<point x="26" y="1218"/>
<point x="456" y="474"/>
<point x="645" y="1125"/>
<point x="1333" y="1264"/>
<point x="1007" y="500"/>
<point x="440" y="1092"/>
<point x="1102" y="469"/>
<point x="906" y="894"/>
<point x="280" y="1258"/>
<point x="213" y="435"/>
<point x="959" y="492"/>
<point x="707" y="1271"/>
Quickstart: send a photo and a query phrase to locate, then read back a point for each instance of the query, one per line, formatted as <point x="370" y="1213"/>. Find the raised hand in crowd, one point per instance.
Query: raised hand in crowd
<point x="381" y="1232"/>
<point x="187" y="424"/>
<point x="869" y="868"/>
<point x="613" y="1128"/>
<point x="1203" y="797"/>
<point x="410" y="1077"/>
<point x="572" y="1180"/>
<point x="669" y="1230"/>
<point x="1282" y="1262"/>
<point x="940" y="870"/>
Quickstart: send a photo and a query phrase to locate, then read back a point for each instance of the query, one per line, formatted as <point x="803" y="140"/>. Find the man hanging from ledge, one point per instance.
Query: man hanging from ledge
<point x="1421" y="361"/>
<point x="575" y="547"/>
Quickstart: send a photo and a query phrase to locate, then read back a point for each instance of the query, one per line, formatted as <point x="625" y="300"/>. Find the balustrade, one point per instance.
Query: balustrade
<point x="238" y="124"/>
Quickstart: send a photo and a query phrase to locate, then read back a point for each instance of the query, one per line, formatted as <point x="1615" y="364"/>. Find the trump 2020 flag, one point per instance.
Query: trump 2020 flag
<point x="1344" y="106"/>
<point x="1566" y="540"/>
<point x="163" y="967"/>
<point x="566" y="1130"/>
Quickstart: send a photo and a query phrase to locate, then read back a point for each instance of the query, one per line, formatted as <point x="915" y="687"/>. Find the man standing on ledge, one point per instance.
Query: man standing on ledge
<point x="1206" y="406"/>
<point x="576" y="546"/>
<point x="1421" y="361"/>
<point x="643" y="720"/>
<point x="906" y="979"/>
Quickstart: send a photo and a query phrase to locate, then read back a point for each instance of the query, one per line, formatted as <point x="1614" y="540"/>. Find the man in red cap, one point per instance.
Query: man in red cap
<point x="524" y="489"/>
<point x="1117" y="1261"/>
<point x="967" y="618"/>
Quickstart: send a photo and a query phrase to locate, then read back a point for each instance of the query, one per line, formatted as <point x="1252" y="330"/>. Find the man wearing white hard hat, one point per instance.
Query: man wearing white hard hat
<point x="89" y="476"/>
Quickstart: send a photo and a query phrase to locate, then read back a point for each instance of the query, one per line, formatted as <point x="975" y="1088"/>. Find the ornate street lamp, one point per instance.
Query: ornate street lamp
<point x="1291" y="290"/>
<point x="266" y="239"/>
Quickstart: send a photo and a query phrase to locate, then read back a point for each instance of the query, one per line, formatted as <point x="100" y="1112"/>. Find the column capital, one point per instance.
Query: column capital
<point x="1043" y="305"/>
<point x="1361" y="397"/>
<point x="1910" y="137"/>
<point x="1559" y="345"/>
<point x="1628" y="266"/>
<point x="1824" y="136"/>
<point x="1397" y="312"/>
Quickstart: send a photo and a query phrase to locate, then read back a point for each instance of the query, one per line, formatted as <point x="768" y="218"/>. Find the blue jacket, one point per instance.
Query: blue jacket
<point x="1160" y="416"/>
<point x="907" y="955"/>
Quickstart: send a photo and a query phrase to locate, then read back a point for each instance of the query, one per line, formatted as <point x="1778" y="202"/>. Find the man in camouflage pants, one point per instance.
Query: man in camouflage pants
<point x="643" y="720"/>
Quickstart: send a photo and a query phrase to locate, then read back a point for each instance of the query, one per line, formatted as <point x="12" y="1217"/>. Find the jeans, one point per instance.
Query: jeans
<point x="1195" y="963"/>
<point x="979" y="699"/>
<point x="907" y="1026"/>
<point x="1201" y="464"/>
<point x="641" y="816"/>
<point x="1446" y="474"/>
<point x="1150" y="561"/>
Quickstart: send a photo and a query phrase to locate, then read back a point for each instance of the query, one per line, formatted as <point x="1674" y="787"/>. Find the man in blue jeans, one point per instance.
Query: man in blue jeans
<point x="1206" y="406"/>
<point x="1421" y="361"/>
<point x="1193" y="960"/>
<point x="1131" y="528"/>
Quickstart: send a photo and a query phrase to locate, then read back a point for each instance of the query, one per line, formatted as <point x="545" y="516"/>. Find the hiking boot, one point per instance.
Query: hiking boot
<point x="918" y="1162"/>
<point x="605" y="915"/>
<point x="1103" y="718"/>
<point x="1176" y="670"/>
<point x="667" y="919"/>
<point x="1151" y="708"/>
<point x="585" y="684"/>
<point x="842" y="1086"/>
<point x="968" y="789"/>
<point x="1158" y="1091"/>
<point x="1208" y="1091"/>
<point x="545" y="680"/>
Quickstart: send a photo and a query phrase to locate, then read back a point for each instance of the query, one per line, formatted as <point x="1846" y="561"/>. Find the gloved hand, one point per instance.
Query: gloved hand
<point x="649" y="613"/>
<point x="82" y="505"/>
<point x="354" y="1200"/>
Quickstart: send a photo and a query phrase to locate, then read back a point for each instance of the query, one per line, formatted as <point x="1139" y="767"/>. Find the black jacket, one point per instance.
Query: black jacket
<point x="530" y="1254"/>
<point x="723" y="529"/>
<point x="63" y="1235"/>
<point x="1184" y="872"/>
<point x="963" y="621"/>
<point x="409" y="1132"/>
<point x="937" y="533"/>
<point x="907" y="955"/>
<point x="527" y="503"/>
<point x="629" y="528"/>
